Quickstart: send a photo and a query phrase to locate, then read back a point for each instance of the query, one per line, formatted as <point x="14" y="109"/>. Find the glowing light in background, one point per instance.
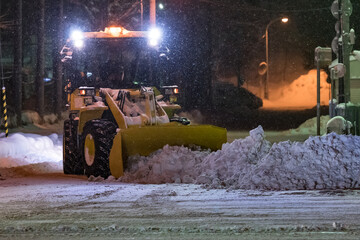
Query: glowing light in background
<point x="300" y="94"/>
<point x="285" y="19"/>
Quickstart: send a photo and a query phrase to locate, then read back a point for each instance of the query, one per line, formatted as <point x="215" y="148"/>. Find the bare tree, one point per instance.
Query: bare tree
<point x="18" y="62"/>
<point x="40" y="59"/>
<point x="58" y="66"/>
<point x="101" y="13"/>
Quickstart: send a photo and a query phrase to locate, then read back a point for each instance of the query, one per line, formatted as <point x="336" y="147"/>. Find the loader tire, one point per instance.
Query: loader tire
<point x="96" y="143"/>
<point x="72" y="163"/>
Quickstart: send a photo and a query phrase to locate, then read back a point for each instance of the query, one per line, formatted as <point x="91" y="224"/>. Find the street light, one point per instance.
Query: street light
<point x="283" y="20"/>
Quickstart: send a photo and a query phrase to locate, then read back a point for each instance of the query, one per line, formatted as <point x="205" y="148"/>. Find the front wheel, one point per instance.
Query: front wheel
<point x="97" y="140"/>
<point x="72" y="163"/>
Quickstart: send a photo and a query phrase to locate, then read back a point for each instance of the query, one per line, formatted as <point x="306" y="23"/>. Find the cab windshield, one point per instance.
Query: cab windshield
<point x="111" y="63"/>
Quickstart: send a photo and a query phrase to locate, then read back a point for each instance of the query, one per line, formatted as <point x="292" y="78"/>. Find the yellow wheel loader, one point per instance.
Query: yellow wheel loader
<point x="106" y="125"/>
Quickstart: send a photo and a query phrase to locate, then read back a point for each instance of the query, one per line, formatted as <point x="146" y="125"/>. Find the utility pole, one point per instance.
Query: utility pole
<point x="342" y="44"/>
<point x="346" y="10"/>
<point x="141" y="15"/>
<point x="266" y="83"/>
<point x="3" y="91"/>
<point x="153" y="13"/>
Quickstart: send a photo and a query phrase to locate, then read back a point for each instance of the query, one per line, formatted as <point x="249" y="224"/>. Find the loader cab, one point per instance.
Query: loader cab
<point x="117" y="60"/>
<point x="109" y="63"/>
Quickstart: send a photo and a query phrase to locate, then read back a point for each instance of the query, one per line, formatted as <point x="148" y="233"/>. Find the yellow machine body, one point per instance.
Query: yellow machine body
<point x="152" y="131"/>
<point x="143" y="124"/>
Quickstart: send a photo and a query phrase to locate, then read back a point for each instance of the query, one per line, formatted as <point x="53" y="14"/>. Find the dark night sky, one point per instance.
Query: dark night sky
<point x="311" y="24"/>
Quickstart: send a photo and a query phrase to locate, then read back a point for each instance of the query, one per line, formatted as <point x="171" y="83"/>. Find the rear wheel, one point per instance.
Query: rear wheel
<point x="72" y="163"/>
<point x="97" y="140"/>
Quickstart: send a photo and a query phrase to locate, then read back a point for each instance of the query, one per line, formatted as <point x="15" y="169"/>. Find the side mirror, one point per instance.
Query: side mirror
<point x="66" y="53"/>
<point x="163" y="53"/>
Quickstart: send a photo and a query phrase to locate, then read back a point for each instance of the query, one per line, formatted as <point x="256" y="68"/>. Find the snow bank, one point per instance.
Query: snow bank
<point x="309" y="127"/>
<point x="27" y="154"/>
<point x="328" y="162"/>
<point x="23" y="149"/>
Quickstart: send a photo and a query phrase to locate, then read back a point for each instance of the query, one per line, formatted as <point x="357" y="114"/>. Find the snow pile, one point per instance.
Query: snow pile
<point x="326" y="162"/>
<point x="309" y="127"/>
<point x="21" y="149"/>
<point x="300" y="93"/>
<point x="226" y="167"/>
<point x="339" y="125"/>
<point x="172" y="164"/>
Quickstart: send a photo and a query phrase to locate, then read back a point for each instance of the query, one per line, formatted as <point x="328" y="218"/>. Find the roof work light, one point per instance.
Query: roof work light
<point x="78" y="38"/>
<point x="154" y="37"/>
<point x="116" y="31"/>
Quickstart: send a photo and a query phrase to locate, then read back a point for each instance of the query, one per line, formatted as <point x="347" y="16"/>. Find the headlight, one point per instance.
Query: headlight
<point x="154" y="37"/>
<point x="87" y="91"/>
<point x="78" y="38"/>
<point x="77" y="35"/>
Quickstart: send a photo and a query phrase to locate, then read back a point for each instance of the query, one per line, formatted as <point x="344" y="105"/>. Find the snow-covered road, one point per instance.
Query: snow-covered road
<point x="54" y="206"/>
<point x="37" y="201"/>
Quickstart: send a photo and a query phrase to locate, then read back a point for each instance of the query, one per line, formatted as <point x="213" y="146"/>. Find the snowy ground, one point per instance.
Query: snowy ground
<point x="241" y="194"/>
<point x="57" y="206"/>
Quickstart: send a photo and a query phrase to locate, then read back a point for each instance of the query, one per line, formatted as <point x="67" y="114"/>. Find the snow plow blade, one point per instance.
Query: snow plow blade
<point x="147" y="139"/>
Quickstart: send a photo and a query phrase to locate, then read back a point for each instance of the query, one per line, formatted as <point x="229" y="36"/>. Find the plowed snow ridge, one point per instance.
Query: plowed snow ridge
<point x="327" y="162"/>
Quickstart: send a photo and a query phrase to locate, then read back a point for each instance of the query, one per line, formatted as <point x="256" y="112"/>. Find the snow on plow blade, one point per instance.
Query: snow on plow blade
<point x="147" y="139"/>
